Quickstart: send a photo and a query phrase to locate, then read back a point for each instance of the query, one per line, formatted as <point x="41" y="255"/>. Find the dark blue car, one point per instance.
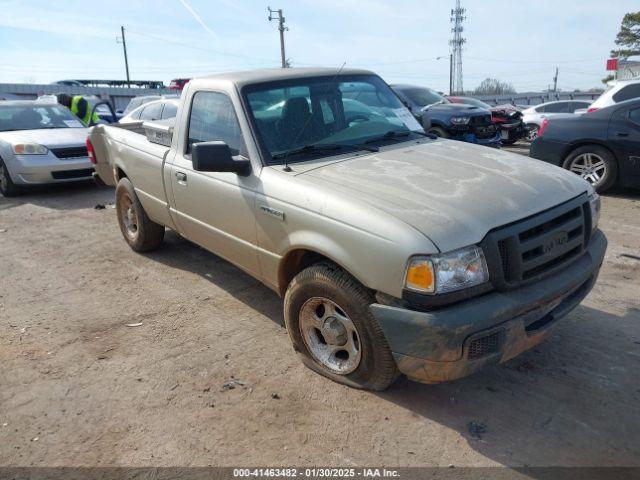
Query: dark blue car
<point x="449" y="120"/>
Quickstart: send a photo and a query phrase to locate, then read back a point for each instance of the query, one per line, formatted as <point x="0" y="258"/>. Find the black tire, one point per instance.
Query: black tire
<point x="506" y="141"/>
<point x="7" y="187"/>
<point x="141" y="233"/>
<point x="610" y="175"/>
<point x="376" y="369"/>
<point x="438" y="132"/>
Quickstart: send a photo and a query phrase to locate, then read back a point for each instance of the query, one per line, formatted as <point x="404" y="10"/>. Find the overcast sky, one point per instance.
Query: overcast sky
<point x="520" y="42"/>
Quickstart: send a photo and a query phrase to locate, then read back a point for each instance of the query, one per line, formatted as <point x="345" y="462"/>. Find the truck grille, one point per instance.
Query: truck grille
<point x="70" y="152"/>
<point x="482" y="120"/>
<point x="539" y="245"/>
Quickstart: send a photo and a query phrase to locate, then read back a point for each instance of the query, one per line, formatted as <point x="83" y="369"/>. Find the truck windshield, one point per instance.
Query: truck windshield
<point x="36" y="117"/>
<point x="423" y="96"/>
<point x="296" y="118"/>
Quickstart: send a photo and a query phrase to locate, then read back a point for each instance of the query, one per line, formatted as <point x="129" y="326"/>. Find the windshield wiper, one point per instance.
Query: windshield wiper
<point x="391" y="134"/>
<point x="322" y="147"/>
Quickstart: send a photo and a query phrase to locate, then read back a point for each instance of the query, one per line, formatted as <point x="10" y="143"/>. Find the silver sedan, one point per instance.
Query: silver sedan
<point x="40" y="143"/>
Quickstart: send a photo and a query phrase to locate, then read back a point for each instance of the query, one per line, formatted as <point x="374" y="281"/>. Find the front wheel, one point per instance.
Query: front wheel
<point x="330" y="324"/>
<point x="7" y="187"/>
<point x="438" y="132"/>
<point x="139" y="231"/>
<point x="595" y="164"/>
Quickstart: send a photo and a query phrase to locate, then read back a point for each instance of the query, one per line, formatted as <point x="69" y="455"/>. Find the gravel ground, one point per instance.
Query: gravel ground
<point x="81" y="387"/>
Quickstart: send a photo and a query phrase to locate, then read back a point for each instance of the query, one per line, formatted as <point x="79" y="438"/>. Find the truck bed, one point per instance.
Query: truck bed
<point x="129" y="147"/>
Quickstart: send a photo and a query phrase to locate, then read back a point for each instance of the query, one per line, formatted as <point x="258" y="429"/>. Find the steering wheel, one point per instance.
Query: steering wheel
<point x="357" y="117"/>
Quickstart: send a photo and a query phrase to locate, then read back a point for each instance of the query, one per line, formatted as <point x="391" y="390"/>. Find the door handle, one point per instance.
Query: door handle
<point x="181" y="177"/>
<point x="622" y="134"/>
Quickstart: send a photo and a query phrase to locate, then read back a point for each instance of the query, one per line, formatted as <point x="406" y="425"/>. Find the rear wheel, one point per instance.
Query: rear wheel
<point x="7" y="187"/>
<point x="595" y="164"/>
<point x="330" y="324"/>
<point x="141" y="233"/>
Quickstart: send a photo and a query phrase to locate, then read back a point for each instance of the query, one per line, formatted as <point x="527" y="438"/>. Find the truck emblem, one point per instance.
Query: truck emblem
<point x="561" y="239"/>
<point x="272" y="211"/>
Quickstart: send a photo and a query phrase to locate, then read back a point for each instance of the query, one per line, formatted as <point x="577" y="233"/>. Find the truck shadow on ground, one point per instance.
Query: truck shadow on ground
<point x="179" y="253"/>
<point x="70" y="196"/>
<point x="573" y="400"/>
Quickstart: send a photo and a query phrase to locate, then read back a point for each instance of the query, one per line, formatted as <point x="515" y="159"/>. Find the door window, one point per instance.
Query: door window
<point x="627" y="93"/>
<point x="213" y="118"/>
<point x="560" y="107"/>
<point x="170" y="110"/>
<point x="152" y="112"/>
<point x="634" y="116"/>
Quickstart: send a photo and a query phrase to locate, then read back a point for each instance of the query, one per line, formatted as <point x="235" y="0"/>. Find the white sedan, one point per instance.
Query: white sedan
<point x="164" y="109"/>
<point x="40" y="143"/>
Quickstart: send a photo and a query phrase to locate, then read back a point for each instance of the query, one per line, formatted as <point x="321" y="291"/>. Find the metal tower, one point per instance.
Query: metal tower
<point x="456" y="43"/>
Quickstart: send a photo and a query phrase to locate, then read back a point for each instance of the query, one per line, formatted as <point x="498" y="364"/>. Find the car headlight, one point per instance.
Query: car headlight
<point x="594" y="203"/>
<point x="447" y="272"/>
<point x="29" y="149"/>
<point x="460" y="120"/>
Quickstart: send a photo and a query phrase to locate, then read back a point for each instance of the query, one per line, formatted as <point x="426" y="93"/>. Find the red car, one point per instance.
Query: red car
<point x="507" y="117"/>
<point x="178" y="83"/>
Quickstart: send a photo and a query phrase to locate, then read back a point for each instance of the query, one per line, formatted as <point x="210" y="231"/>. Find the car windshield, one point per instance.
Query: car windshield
<point x="36" y="117"/>
<point x="322" y="116"/>
<point x="475" y="102"/>
<point x="423" y="96"/>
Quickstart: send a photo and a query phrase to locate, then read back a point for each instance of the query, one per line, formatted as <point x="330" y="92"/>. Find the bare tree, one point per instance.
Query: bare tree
<point x="493" y="86"/>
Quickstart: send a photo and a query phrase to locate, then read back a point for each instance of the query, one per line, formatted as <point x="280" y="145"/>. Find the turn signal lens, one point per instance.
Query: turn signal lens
<point x="420" y="276"/>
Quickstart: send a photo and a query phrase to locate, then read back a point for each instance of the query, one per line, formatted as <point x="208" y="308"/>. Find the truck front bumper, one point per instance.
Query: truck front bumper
<point x="455" y="341"/>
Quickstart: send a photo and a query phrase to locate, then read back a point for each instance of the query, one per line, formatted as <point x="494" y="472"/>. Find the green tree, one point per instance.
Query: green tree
<point x="628" y="38"/>
<point x="493" y="86"/>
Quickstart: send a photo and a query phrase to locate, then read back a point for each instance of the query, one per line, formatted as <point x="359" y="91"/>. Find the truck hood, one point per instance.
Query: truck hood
<point x="51" y="138"/>
<point x="452" y="192"/>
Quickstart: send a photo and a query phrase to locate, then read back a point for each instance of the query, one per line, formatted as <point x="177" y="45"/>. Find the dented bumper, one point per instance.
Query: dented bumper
<point x="455" y="341"/>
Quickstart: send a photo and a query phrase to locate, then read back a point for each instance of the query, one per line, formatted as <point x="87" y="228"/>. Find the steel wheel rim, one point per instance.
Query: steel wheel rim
<point x="590" y="166"/>
<point x="128" y="216"/>
<point x="330" y="336"/>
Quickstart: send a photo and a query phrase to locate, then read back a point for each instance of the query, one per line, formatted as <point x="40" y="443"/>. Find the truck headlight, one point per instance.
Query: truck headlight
<point x="29" y="149"/>
<point x="447" y="272"/>
<point x="594" y="203"/>
<point x="459" y="120"/>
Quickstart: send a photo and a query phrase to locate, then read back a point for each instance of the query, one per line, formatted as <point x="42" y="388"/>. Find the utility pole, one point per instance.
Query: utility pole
<point x="555" y="81"/>
<point x="124" y="47"/>
<point x="277" y="14"/>
<point x="457" y="17"/>
<point x="451" y="74"/>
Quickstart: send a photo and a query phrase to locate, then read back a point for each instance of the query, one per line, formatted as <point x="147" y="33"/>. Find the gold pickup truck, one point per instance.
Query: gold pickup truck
<point x="395" y="251"/>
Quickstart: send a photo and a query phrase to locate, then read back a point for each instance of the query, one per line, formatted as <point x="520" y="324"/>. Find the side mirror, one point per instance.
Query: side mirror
<point x="216" y="157"/>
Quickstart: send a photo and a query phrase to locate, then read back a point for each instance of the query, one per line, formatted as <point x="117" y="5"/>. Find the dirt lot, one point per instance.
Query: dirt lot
<point x="80" y="387"/>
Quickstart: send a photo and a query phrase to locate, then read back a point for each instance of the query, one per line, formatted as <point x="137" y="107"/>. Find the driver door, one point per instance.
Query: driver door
<point x="216" y="209"/>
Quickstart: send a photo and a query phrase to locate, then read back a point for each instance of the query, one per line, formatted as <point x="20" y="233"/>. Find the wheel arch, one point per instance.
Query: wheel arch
<point x="572" y="147"/>
<point x="299" y="258"/>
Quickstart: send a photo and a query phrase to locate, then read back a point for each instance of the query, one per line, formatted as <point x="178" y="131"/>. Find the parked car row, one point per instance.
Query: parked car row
<point x="396" y="250"/>
<point x="602" y="146"/>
